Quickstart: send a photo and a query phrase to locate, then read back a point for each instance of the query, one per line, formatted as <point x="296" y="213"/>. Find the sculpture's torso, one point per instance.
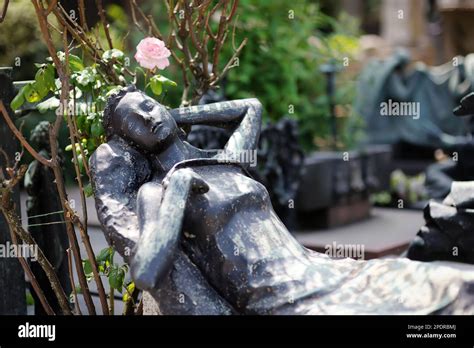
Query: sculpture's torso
<point x="233" y="235"/>
<point x="219" y="227"/>
<point x="237" y="257"/>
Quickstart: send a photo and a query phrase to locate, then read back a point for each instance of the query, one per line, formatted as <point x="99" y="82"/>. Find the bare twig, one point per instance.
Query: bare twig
<point x="230" y="63"/>
<point x="51" y="5"/>
<point x="53" y="133"/>
<point x="192" y="43"/>
<point x="91" y="256"/>
<point x="4" y="11"/>
<point x="81" y="149"/>
<point x="21" y="138"/>
<point x="139" y="310"/>
<point x="103" y="19"/>
<point x="34" y="282"/>
<point x="82" y="15"/>
<point x="14" y="224"/>
<point x="73" y="283"/>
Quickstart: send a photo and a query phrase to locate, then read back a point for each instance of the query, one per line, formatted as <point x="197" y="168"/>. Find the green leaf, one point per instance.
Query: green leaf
<point x="127" y="295"/>
<point x="45" y="79"/>
<point x="116" y="278"/>
<point x="92" y="145"/>
<point x="81" y="120"/>
<point x="105" y="254"/>
<point x="156" y="85"/>
<point x="41" y="89"/>
<point x="87" y="266"/>
<point x="112" y="90"/>
<point x="30" y="301"/>
<point x="75" y="63"/>
<point x="49" y="104"/>
<point x="88" y="190"/>
<point x="19" y="100"/>
<point x="96" y="129"/>
<point x="31" y="94"/>
<point x="140" y="70"/>
<point x="166" y="81"/>
<point x="80" y="162"/>
<point x="102" y="255"/>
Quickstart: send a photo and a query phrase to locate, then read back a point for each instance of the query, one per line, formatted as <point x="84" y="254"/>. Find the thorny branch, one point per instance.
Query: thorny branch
<point x="4" y="11"/>
<point x="8" y="209"/>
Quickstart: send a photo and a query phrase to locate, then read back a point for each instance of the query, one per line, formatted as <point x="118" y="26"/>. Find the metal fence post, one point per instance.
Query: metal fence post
<point x="12" y="277"/>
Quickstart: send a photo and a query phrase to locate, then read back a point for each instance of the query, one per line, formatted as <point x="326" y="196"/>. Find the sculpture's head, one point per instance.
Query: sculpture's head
<point x="140" y="120"/>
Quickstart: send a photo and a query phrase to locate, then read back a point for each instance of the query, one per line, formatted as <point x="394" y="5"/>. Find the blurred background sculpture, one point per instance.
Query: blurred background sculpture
<point x="448" y="233"/>
<point x="202" y="237"/>
<point x="437" y="89"/>
<point x="45" y="222"/>
<point x="460" y="150"/>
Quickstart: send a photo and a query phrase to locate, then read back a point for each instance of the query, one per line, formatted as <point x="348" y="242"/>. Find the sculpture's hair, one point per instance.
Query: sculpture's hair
<point x="112" y="103"/>
<point x="40" y="135"/>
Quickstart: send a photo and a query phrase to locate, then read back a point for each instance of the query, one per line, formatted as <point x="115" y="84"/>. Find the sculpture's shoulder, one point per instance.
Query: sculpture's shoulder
<point x="116" y="165"/>
<point x="117" y="172"/>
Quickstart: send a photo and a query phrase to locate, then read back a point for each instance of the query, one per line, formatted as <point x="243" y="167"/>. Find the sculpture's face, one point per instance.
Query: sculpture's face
<point x="144" y="121"/>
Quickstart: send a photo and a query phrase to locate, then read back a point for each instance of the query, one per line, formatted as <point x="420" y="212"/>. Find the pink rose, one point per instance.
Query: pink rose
<point x="152" y="53"/>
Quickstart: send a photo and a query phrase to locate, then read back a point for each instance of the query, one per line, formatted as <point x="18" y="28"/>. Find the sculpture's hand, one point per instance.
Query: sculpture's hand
<point x="188" y="177"/>
<point x="156" y="248"/>
<point x="198" y="185"/>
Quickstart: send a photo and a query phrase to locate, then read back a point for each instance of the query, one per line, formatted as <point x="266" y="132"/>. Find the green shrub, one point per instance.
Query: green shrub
<point x="20" y="40"/>
<point x="287" y="43"/>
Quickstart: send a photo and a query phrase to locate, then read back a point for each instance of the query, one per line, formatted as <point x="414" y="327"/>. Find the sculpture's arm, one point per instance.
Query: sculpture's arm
<point x="160" y="213"/>
<point x="242" y="115"/>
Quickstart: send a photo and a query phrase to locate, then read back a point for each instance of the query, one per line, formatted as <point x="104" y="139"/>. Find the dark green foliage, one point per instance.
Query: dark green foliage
<point x="280" y="64"/>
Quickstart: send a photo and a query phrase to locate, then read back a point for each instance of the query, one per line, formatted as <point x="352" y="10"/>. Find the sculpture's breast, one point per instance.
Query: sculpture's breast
<point x="230" y="191"/>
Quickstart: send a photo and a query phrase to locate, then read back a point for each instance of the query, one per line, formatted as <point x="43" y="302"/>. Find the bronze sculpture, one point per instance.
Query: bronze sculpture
<point x="201" y="235"/>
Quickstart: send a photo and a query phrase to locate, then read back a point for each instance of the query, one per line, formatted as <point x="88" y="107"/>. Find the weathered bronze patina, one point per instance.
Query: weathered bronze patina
<point x="202" y="237"/>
